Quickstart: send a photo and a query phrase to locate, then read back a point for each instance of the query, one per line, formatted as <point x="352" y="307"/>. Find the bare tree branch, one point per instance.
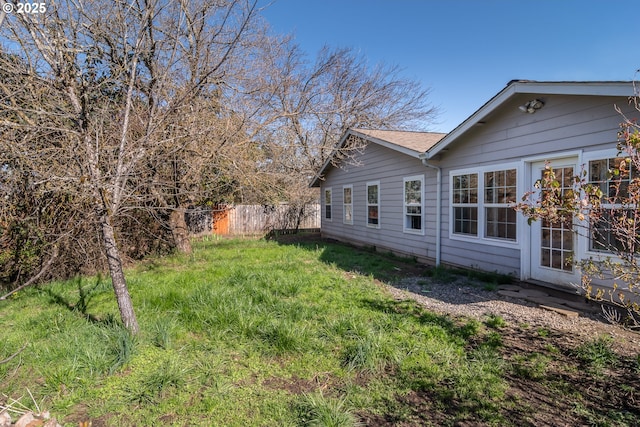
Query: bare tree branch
<point x="45" y="268"/>
<point x="14" y="355"/>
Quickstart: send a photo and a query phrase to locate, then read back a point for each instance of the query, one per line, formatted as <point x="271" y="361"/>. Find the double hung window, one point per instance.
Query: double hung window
<point x="327" y="203"/>
<point x="347" y="204"/>
<point x="499" y="194"/>
<point x="373" y="204"/>
<point x="610" y="233"/>
<point x="465" y="204"/>
<point x="413" y="209"/>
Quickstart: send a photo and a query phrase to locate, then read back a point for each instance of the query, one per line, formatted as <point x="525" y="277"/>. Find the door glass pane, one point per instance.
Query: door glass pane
<point x="556" y="260"/>
<point x="545" y="258"/>
<point x="556" y="239"/>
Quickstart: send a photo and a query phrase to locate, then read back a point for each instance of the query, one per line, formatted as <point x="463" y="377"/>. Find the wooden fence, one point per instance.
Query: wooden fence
<point x="253" y="219"/>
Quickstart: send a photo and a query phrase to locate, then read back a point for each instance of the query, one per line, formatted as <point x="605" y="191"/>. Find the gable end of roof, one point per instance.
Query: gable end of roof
<point x="409" y="143"/>
<point x="603" y="88"/>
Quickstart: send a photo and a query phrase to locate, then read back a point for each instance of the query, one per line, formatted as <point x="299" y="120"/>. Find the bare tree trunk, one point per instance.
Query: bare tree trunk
<point x="299" y="217"/>
<point x="180" y="230"/>
<point x="118" y="280"/>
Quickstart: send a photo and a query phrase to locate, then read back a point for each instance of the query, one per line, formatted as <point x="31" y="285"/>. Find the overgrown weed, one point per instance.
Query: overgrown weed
<point x="256" y="333"/>
<point x="597" y="354"/>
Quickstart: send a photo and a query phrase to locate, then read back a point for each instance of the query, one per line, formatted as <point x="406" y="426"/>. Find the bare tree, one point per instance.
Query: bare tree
<point x="306" y="107"/>
<point x="119" y="82"/>
<point x="152" y="106"/>
<point x="313" y="105"/>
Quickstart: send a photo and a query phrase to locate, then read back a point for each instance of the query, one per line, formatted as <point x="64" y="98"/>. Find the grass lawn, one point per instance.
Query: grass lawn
<point x="257" y="333"/>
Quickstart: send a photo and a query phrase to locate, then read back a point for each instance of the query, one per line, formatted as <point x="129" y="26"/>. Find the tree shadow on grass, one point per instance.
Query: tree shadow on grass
<point x="531" y="400"/>
<point x="411" y="308"/>
<point x="447" y="285"/>
<point x="367" y="261"/>
<point x="394" y="270"/>
<point x="85" y="295"/>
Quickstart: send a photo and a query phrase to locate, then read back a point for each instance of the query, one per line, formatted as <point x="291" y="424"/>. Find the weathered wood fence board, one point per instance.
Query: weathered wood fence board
<point x="252" y="219"/>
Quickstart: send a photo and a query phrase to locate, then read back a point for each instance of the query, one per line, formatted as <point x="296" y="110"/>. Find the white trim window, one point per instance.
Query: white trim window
<point x="327" y="204"/>
<point x="373" y="204"/>
<point x="413" y="208"/>
<point x="347" y="204"/>
<point x="613" y="175"/>
<point x="465" y="204"/>
<point x="482" y="204"/>
<point x="500" y="192"/>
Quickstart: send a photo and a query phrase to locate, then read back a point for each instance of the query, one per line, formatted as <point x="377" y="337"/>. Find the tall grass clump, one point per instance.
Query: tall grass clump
<point x="162" y="331"/>
<point x="280" y="336"/>
<point x="371" y="353"/>
<point x="532" y="366"/>
<point x="318" y="410"/>
<point x="148" y="388"/>
<point x="122" y="346"/>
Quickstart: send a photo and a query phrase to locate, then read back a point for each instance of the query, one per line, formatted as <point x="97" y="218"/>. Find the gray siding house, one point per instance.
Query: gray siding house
<point x="447" y="198"/>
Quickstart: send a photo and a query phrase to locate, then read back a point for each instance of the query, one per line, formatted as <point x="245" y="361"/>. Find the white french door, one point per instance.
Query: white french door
<point x="553" y="244"/>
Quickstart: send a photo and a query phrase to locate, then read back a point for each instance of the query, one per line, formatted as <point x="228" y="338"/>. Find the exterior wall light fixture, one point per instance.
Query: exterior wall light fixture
<point x="531" y="106"/>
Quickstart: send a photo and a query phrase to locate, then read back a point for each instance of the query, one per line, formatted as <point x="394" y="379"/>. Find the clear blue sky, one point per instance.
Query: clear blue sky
<point x="466" y="51"/>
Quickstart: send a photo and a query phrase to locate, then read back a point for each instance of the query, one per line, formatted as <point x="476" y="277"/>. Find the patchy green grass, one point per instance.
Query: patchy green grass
<point x="239" y="333"/>
<point x="257" y="333"/>
<point x="597" y="354"/>
<point x="495" y="321"/>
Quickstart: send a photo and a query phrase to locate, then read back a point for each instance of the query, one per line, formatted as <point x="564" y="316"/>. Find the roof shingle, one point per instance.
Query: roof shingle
<point x="416" y="141"/>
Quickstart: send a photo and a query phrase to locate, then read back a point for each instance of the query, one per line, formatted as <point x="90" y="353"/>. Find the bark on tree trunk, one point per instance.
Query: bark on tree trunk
<point x="118" y="280"/>
<point x="180" y="231"/>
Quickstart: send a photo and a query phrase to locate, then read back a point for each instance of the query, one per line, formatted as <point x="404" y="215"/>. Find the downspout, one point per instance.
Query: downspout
<point x="425" y="161"/>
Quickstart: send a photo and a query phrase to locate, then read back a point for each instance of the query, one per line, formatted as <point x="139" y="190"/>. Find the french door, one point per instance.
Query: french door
<point x="553" y="244"/>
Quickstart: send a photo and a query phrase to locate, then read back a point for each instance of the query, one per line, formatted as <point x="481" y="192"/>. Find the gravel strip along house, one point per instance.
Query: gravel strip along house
<point x="446" y="198"/>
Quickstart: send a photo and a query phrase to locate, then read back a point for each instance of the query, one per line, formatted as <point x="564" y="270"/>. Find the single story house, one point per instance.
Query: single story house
<point x="447" y="198"/>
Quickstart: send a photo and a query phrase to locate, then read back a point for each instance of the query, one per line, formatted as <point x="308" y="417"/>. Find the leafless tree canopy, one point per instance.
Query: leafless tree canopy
<point x="116" y="117"/>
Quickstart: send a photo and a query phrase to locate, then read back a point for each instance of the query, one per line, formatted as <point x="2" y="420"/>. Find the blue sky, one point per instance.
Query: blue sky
<point x="466" y="51"/>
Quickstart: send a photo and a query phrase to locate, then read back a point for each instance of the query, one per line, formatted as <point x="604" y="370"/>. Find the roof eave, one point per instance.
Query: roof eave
<point x="533" y="87"/>
<point x="387" y="144"/>
<point x="315" y="182"/>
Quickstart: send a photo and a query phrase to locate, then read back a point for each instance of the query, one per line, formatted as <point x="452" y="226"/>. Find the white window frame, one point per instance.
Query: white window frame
<point x="481" y="205"/>
<point x="499" y="205"/>
<point x="466" y="205"/>
<point x="347" y="208"/>
<point x="330" y="204"/>
<point x="406" y="205"/>
<point x="584" y="239"/>
<point x="376" y="204"/>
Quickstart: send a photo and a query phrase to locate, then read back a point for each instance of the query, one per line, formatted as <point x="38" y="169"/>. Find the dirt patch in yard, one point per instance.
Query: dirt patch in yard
<point x="551" y="381"/>
<point x="561" y="370"/>
<point x="549" y="384"/>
